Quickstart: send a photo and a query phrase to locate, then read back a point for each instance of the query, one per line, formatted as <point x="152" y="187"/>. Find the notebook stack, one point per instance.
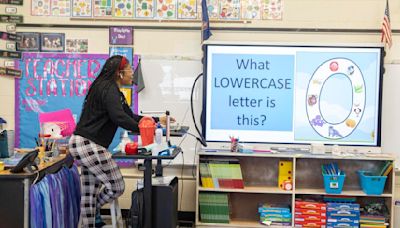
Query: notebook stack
<point x="275" y="215"/>
<point x="371" y="221"/>
<point x="343" y="214"/>
<point x="374" y="215"/>
<point x="310" y="214"/>
<point x="214" y="207"/>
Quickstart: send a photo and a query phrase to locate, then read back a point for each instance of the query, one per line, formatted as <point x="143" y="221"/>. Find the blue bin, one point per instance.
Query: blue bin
<point x="334" y="183"/>
<point x="371" y="185"/>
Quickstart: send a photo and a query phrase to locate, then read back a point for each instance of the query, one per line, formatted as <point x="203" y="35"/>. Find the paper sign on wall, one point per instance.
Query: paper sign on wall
<point x="4" y="71"/>
<point x="121" y="35"/>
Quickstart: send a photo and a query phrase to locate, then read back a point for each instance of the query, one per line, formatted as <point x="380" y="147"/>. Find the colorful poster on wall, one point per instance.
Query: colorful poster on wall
<point x="166" y="9"/>
<point x="51" y="82"/>
<point x="251" y="9"/>
<point x="30" y="41"/>
<point x="76" y="45"/>
<point x="102" y="8"/>
<point x="82" y="8"/>
<point x="61" y="8"/>
<point x="52" y="42"/>
<point x="123" y="8"/>
<point x="127" y="52"/>
<point x="144" y="9"/>
<point x="273" y="10"/>
<point x="121" y="35"/>
<point x="187" y="9"/>
<point x="229" y="9"/>
<point x="40" y="8"/>
<point x="212" y="7"/>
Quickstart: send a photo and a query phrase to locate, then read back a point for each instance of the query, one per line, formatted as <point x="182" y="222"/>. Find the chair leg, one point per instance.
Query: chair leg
<point x="119" y="214"/>
<point x="116" y="215"/>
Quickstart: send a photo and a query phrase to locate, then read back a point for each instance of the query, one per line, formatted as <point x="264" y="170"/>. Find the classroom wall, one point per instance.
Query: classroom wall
<point x="316" y="21"/>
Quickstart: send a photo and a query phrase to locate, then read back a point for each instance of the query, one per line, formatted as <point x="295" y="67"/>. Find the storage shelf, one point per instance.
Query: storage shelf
<point x="260" y="172"/>
<point x="250" y="189"/>
<point x="235" y="223"/>
<point x="321" y="191"/>
<point x="300" y="155"/>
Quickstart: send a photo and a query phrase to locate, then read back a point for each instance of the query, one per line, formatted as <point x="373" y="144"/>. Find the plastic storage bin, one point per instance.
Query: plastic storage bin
<point x="334" y="183"/>
<point x="371" y="185"/>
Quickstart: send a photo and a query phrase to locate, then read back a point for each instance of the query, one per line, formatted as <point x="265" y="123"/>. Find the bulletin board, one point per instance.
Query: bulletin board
<point x="50" y="82"/>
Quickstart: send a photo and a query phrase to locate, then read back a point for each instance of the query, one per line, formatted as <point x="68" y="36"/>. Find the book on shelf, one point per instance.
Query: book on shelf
<point x="221" y="173"/>
<point x="214" y="207"/>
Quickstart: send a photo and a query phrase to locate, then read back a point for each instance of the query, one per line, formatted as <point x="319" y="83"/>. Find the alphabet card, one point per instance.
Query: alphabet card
<point x="273" y="9"/>
<point x="144" y="9"/>
<point x="61" y="8"/>
<point x="166" y="9"/>
<point x="102" y="8"/>
<point x="40" y="8"/>
<point x="251" y="9"/>
<point x="82" y="8"/>
<point x="187" y="9"/>
<point x="229" y="9"/>
<point x="123" y="8"/>
<point x="212" y="7"/>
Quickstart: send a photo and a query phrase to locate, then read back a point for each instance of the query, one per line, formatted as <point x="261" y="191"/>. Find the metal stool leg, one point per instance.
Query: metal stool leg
<point x="116" y="215"/>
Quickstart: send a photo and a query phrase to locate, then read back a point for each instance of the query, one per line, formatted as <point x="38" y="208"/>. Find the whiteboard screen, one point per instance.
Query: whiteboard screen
<point x="168" y="83"/>
<point x="391" y="112"/>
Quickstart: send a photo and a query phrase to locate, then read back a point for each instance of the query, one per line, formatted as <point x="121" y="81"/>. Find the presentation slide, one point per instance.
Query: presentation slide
<point x="289" y="94"/>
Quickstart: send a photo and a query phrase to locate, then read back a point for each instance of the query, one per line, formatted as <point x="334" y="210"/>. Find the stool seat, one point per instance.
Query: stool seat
<point x="116" y="215"/>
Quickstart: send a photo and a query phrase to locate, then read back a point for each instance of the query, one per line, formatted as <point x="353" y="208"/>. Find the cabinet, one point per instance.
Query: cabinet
<point x="260" y="177"/>
<point x="15" y="188"/>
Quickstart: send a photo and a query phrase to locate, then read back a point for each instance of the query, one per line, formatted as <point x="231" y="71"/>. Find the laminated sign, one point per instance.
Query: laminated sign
<point x="4" y="18"/>
<point x="10" y="54"/>
<point x="4" y="71"/>
<point x="12" y="2"/>
<point x="9" y="36"/>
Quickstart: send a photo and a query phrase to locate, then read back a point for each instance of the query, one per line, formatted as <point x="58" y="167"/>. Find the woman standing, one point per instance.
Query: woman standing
<point x="104" y="110"/>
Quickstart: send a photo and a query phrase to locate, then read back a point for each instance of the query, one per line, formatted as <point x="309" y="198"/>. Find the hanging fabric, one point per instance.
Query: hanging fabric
<point x="55" y="200"/>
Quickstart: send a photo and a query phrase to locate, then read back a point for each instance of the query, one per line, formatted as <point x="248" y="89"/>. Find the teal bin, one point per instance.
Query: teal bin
<point x="371" y="185"/>
<point x="334" y="183"/>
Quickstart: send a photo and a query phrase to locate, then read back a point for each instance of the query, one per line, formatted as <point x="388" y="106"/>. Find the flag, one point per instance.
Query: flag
<point x="386" y="30"/>
<point x="205" y="22"/>
<point x="138" y="77"/>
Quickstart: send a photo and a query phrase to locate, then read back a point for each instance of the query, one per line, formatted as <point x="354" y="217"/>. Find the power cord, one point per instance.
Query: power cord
<point x="201" y="139"/>
<point x="194" y="160"/>
<point x="180" y="202"/>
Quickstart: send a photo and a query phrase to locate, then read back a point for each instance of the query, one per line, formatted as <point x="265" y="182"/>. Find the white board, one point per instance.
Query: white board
<point x="391" y="112"/>
<point x="168" y="84"/>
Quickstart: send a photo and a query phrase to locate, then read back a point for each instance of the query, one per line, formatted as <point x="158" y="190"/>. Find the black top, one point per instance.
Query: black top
<point x="103" y="112"/>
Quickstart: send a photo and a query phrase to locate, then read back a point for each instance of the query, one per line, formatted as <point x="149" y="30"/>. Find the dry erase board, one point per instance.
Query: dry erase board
<point x="168" y="83"/>
<point x="391" y="111"/>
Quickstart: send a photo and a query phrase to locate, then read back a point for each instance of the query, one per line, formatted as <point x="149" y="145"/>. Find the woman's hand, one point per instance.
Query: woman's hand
<point x="163" y="120"/>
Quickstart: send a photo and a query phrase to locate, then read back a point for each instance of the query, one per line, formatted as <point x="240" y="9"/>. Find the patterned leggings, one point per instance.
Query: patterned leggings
<point x="97" y="168"/>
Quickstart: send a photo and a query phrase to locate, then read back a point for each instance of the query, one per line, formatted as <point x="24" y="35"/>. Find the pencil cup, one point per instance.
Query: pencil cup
<point x="334" y="183"/>
<point x="41" y="153"/>
<point x="234" y="146"/>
